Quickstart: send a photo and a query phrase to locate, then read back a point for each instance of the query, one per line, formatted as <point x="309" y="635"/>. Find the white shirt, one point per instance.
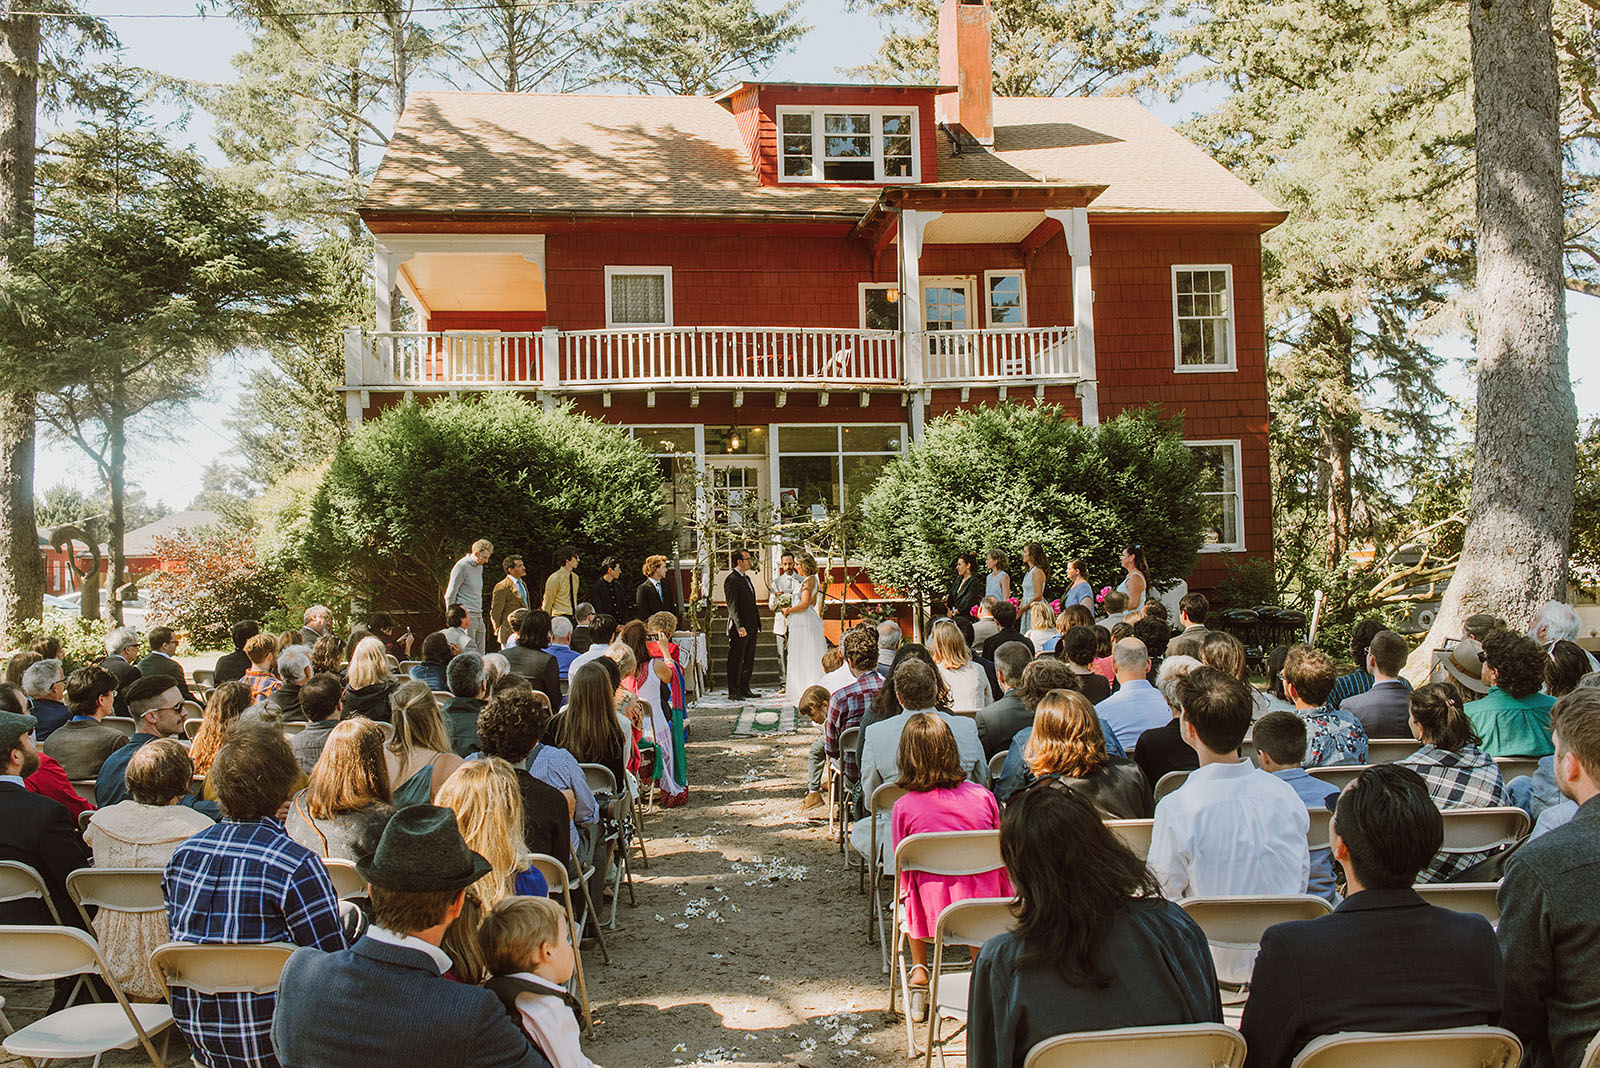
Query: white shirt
<point x="789" y="583"/>
<point x="595" y="652"/>
<point x="1132" y="710"/>
<point x="969" y="687"/>
<point x="838" y="679"/>
<point x="1231" y="829"/>
<point x="440" y="959"/>
<point x="458" y="637"/>
<point x="551" y="1024"/>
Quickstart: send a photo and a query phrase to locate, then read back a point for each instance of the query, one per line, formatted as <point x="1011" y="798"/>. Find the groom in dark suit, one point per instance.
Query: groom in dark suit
<point x="385" y="1001"/>
<point x="743" y="625"/>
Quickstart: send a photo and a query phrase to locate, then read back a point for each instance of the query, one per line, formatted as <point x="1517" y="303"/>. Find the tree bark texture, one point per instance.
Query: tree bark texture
<point x="1519" y="518"/>
<point x="117" y="479"/>
<point x="21" y="569"/>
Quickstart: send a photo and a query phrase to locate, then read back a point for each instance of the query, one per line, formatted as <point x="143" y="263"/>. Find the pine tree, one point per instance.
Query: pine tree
<point x="516" y="47"/>
<point x="689" y="47"/>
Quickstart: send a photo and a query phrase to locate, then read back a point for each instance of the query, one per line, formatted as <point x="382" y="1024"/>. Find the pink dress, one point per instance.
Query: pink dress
<point x="1104" y="666"/>
<point x="967" y="807"/>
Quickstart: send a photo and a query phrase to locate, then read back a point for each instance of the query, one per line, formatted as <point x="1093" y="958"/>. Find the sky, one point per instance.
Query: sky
<point x="170" y="458"/>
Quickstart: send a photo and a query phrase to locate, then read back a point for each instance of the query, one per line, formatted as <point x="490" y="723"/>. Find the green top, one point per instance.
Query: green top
<point x="1513" y="726"/>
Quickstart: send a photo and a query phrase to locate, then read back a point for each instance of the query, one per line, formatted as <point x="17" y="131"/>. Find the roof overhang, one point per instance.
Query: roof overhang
<point x="855" y="87"/>
<point x="1012" y="199"/>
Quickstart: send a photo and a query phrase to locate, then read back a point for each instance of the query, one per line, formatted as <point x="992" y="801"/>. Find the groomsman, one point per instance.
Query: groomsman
<point x="510" y="594"/>
<point x="743" y="626"/>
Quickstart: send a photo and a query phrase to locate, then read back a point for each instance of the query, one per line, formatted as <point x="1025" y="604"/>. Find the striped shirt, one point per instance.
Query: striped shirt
<point x="1464" y="778"/>
<point x="845" y="710"/>
<point x="244" y="882"/>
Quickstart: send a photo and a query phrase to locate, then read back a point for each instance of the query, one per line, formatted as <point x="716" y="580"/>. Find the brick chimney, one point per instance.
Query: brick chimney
<point x="964" y="61"/>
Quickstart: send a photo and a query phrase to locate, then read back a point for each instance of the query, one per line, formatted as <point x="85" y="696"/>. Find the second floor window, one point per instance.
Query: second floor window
<point x="857" y="145"/>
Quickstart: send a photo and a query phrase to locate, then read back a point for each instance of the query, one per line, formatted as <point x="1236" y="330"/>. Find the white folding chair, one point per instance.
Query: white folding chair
<point x="84" y="788"/>
<point x="1511" y="767"/>
<point x="1483" y="830"/>
<point x="1135" y="834"/>
<point x="1168" y="783"/>
<point x="204" y="677"/>
<point x="1319" y="835"/>
<point x="444" y="697"/>
<point x="193" y="709"/>
<point x="883" y="799"/>
<point x="130" y="890"/>
<point x="1591" y="1056"/>
<point x="965" y="923"/>
<point x="997" y="764"/>
<point x="22" y="882"/>
<point x="1479" y="898"/>
<point x="1454" y="1047"/>
<point x="36" y="954"/>
<point x="1338" y="776"/>
<point x="848" y="740"/>
<point x="404" y="666"/>
<point x="191" y="726"/>
<point x="1206" y="1045"/>
<point x="1390" y="750"/>
<point x="601" y="780"/>
<point x="347" y="881"/>
<point x="1234" y="923"/>
<point x="218" y="968"/>
<point x="293" y="727"/>
<point x="555" y="875"/>
<point x="123" y="723"/>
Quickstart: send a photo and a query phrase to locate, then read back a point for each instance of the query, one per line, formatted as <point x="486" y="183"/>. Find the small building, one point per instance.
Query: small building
<point x="786" y="281"/>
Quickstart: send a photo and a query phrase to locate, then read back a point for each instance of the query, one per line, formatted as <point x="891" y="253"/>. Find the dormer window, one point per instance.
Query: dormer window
<point x="847" y="145"/>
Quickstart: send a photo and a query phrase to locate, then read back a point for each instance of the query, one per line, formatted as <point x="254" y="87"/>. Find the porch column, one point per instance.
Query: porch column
<point x="355" y="360"/>
<point x="1075" y="224"/>
<point x="912" y="226"/>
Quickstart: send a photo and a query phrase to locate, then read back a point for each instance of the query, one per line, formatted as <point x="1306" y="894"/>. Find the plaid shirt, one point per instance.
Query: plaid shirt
<point x="263" y="684"/>
<point x="1333" y="736"/>
<point x="845" y="711"/>
<point x="1468" y="778"/>
<point x="244" y="882"/>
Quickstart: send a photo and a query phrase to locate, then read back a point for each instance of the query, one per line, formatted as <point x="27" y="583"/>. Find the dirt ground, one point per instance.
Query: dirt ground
<point x="747" y="944"/>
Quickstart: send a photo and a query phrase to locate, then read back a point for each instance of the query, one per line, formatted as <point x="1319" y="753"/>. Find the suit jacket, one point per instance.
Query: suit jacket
<point x="1420" y="967"/>
<point x="155" y="664"/>
<point x="410" y="1015"/>
<point x="124" y="673"/>
<point x="504" y="599"/>
<point x="1384" y="710"/>
<point x="230" y="667"/>
<point x="999" y="638"/>
<point x="81" y="746"/>
<point x="1162" y="749"/>
<point x="965" y="595"/>
<point x="610" y="598"/>
<point x="647" y="602"/>
<point x="740" y="593"/>
<point x="539" y="668"/>
<point x="38" y="832"/>
<point x="999" y="722"/>
<point x="1548" y="917"/>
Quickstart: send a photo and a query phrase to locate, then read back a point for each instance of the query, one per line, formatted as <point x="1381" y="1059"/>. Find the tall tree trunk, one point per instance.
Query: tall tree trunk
<point x="117" y="480"/>
<point x="21" y="569"/>
<point x="1519" y="518"/>
<point x="399" y="61"/>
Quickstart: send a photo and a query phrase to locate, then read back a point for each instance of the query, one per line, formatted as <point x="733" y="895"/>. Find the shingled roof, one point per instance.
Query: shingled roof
<point x="581" y="154"/>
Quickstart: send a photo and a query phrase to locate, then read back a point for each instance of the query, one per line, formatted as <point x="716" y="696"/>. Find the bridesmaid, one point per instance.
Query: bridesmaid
<point x="1137" y="582"/>
<point x="1034" y="578"/>
<point x="965" y="592"/>
<point x="997" y="584"/>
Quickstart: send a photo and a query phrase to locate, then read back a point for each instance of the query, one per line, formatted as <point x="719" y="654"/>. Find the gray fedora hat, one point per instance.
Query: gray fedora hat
<point x="1463" y="662"/>
<point x="422" y="851"/>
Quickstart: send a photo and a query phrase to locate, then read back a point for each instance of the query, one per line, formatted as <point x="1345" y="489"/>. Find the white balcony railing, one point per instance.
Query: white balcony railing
<point x="704" y="356"/>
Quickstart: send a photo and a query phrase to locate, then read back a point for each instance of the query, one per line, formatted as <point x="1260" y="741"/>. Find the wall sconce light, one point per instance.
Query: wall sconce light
<point x="893" y="295"/>
<point x="733" y="439"/>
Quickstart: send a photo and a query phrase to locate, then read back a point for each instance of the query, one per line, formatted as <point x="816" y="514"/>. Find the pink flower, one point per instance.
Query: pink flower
<point x="1014" y="602"/>
<point x="1056" y="604"/>
<point x="973" y="611"/>
<point x="1100" y="598"/>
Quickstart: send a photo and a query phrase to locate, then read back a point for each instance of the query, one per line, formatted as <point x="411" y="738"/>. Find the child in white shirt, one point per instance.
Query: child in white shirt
<point x="527" y="946"/>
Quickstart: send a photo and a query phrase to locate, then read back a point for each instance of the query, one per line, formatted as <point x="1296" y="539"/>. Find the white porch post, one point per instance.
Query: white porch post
<point x="383" y="272"/>
<point x="354" y="374"/>
<point x="913" y="224"/>
<point x="1075" y="224"/>
<point x="550" y="370"/>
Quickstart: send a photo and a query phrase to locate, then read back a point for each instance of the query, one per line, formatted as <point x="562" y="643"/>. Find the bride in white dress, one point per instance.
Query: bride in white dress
<point x="806" y="643"/>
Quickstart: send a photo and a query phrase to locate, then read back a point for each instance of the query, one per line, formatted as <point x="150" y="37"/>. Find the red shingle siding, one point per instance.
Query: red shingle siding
<point x="773" y="97"/>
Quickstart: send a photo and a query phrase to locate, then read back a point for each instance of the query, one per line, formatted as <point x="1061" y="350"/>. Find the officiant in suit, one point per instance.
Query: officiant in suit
<point x="744" y="624"/>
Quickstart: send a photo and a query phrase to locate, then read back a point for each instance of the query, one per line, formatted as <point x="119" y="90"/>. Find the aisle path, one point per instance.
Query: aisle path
<point x="747" y="945"/>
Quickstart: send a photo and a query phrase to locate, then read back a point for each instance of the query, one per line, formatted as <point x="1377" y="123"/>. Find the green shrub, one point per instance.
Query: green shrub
<point x="83" y="641"/>
<point x="997" y="477"/>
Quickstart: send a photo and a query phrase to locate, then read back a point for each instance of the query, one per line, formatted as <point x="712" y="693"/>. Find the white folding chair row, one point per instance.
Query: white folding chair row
<point x="1511" y="767"/>
<point x="1390" y="750"/>
<point x="191" y="726"/>
<point x="125" y="724"/>
<point x="997" y="764"/>
<point x="1135" y="834"/>
<point x="1169" y="783"/>
<point x="1481" y="899"/>
<point x="22" y="882"/>
<point x="849" y="739"/>
<point x="883" y="799"/>
<point x="1233" y="925"/>
<point x="555" y="875"/>
<point x="347" y="881"/>
<point x="1216" y="1046"/>
<point x="601" y="780"/>
<point x="1453" y="1047"/>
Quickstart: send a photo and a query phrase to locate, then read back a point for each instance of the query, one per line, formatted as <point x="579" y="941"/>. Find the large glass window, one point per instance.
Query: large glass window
<point x="797" y="146"/>
<point x="1007" y="303"/>
<point x="1221" y="495"/>
<point x="673" y="448"/>
<point x="638" y="296"/>
<point x="825" y="469"/>
<point x="880" y="306"/>
<point x="1202" y="303"/>
<point x="859" y="145"/>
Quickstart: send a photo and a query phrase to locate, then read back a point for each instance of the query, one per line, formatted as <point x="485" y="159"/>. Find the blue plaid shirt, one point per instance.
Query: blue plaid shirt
<point x="244" y="882"/>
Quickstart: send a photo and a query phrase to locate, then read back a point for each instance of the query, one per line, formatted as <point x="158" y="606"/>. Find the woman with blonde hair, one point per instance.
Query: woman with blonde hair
<point x="223" y="707"/>
<point x="343" y="811"/>
<point x="487" y="802"/>
<point x="369" y="682"/>
<point x="1068" y="752"/>
<point x="418" y="758"/>
<point x="1041" y="624"/>
<point x="969" y="686"/>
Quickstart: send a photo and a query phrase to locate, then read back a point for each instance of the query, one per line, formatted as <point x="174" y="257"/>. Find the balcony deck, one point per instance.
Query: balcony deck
<point x="703" y="357"/>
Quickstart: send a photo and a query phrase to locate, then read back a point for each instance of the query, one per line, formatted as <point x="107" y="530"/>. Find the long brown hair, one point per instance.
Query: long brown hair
<point x="928" y="757"/>
<point x="223" y="707"/>
<point x="418" y="723"/>
<point x="1067" y="739"/>
<point x="633" y="636"/>
<point x="350" y="775"/>
<point x="1438" y="711"/>
<point x="589" y="727"/>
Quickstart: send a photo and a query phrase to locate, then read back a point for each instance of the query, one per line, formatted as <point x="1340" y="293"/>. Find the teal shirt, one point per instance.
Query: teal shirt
<point x="1512" y="726"/>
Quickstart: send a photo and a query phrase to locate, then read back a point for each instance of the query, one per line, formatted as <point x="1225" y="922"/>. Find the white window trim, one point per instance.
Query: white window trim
<point x="966" y="282"/>
<point x="1232" y="363"/>
<point x="1238" y="493"/>
<point x="817" y="135"/>
<point x="1022" y="291"/>
<point x="861" y="304"/>
<point x="664" y="272"/>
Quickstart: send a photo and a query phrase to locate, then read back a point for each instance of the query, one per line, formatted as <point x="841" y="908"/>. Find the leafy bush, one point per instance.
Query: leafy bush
<point x="996" y="477"/>
<point x="1248" y="581"/>
<point x="410" y="491"/>
<point x="83" y="641"/>
<point x="210" y="579"/>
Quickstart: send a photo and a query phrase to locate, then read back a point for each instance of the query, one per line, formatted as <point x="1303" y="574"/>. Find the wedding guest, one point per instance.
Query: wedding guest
<point x="1458" y="774"/>
<point x="343" y="811"/>
<point x="1067" y="751"/>
<point x="370" y="682"/>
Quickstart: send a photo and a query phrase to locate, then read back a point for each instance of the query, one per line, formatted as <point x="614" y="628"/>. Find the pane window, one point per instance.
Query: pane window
<point x="860" y="472"/>
<point x="808" y="439"/>
<point x="897" y="146"/>
<point x="736" y="441"/>
<point x="639" y="299"/>
<point x="797" y="145"/>
<point x="944" y="307"/>
<point x="872" y="438"/>
<point x="805" y="481"/>
<point x="847" y="148"/>
<point x="666" y="439"/>
<point x="1219" y="495"/>
<point x="1005" y="300"/>
<point x="1203" y="303"/>
<point x="882" y="311"/>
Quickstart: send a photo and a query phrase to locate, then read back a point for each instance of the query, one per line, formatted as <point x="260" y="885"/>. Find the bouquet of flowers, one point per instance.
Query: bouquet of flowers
<point x="1100" y="598"/>
<point x="782" y="600"/>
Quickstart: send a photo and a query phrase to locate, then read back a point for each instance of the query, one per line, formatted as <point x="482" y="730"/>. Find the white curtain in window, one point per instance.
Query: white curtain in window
<point x="639" y="298"/>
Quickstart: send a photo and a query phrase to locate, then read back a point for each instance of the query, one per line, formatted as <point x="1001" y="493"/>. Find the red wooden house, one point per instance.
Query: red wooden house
<point x="786" y="281"/>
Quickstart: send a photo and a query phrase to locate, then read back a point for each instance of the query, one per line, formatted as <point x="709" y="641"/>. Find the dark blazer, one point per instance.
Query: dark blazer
<point x="156" y="664"/>
<point x="647" y="602"/>
<point x="230" y="667"/>
<point x="1162" y="749"/>
<point x="1420" y="967"/>
<point x="1000" y="721"/>
<point x="740" y="593"/>
<point x="1010" y="634"/>
<point x="38" y="832"/>
<point x="370" y="701"/>
<point x="309" y="637"/>
<point x="546" y="827"/>
<point x="410" y="1015"/>
<point x="1384" y="710"/>
<point x="285" y="701"/>
<point x="1548" y="917"/>
<point x="610" y="598"/>
<point x="964" y="595"/>
<point x="124" y="673"/>
<point x="539" y="668"/>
